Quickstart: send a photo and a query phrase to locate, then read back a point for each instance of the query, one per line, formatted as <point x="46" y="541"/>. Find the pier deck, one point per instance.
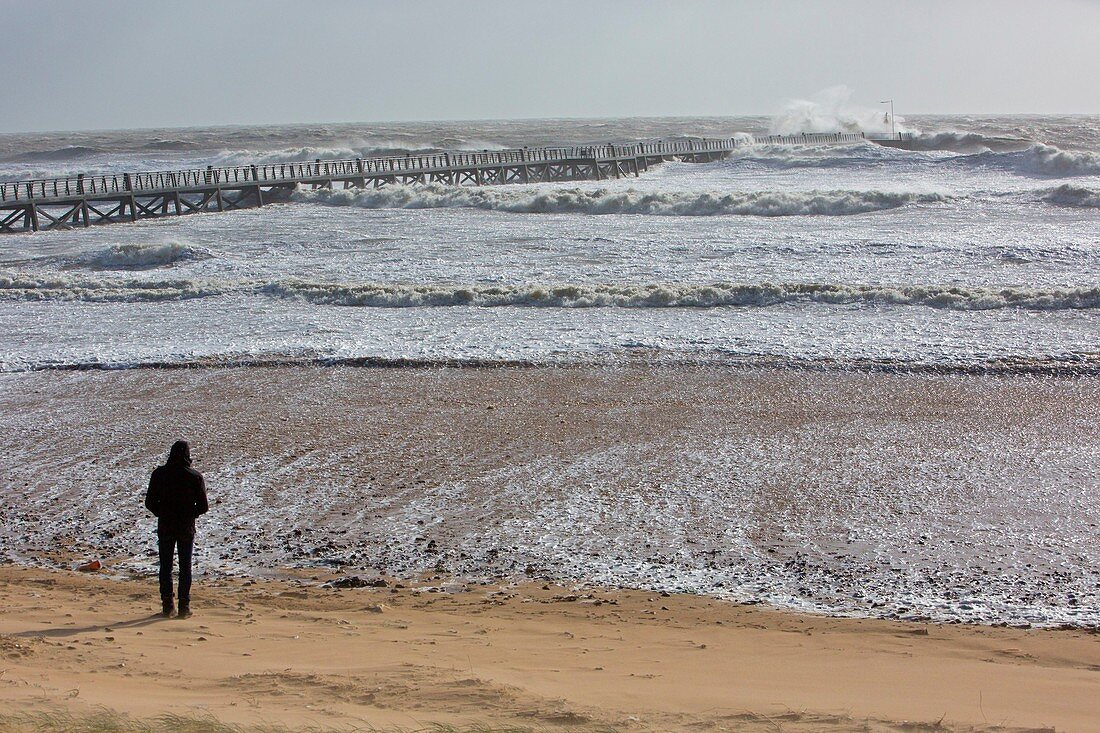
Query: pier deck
<point x="84" y="200"/>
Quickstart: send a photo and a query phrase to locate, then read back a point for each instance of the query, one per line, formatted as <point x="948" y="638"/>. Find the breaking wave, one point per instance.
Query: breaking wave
<point x="683" y="296"/>
<point x="139" y="256"/>
<point x="376" y="295"/>
<point x="967" y="142"/>
<point x="1075" y="196"/>
<point x="65" y="288"/>
<point x="859" y="154"/>
<point x="527" y="199"/>
<point x="971" y="149"/>
<point x="287" y="155"/>
<point x="832" y="110"/>
<point x="1041" y="160"/>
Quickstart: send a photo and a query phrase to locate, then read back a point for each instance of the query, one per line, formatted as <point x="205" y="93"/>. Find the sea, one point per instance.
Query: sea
<point x="978" y="249"/>
<point x="975" y="253"/>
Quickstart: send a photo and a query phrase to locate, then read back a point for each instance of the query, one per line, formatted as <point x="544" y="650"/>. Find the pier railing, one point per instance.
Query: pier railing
<point x="288" y="173"/>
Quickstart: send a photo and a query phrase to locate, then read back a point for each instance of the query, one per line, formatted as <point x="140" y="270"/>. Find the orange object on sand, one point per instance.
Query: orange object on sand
<point x="89" y="566"/>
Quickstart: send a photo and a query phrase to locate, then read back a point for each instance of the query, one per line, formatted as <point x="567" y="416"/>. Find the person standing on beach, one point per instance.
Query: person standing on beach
<point x="176" y="495"/>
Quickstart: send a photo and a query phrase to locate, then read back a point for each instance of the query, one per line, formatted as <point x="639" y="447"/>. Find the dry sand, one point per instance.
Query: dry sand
<point x="296" y="653"/>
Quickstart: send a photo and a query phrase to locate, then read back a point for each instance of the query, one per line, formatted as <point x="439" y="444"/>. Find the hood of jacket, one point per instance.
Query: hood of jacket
<point x="180" y="454"/>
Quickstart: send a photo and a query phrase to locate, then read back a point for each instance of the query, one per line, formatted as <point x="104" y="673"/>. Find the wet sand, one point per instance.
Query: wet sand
<point x="535" y="656"/>
<point x="951" y="498"/>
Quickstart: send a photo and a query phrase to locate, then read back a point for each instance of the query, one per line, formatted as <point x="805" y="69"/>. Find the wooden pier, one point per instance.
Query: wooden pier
<point x="84" y="200"/>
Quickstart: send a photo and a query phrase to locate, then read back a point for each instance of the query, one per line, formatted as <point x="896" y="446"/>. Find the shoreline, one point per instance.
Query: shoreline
<point x="1079" y="365"/>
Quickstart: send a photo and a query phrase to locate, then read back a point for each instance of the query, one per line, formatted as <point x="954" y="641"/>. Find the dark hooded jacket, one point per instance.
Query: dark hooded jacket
<point x="177" y="494"/>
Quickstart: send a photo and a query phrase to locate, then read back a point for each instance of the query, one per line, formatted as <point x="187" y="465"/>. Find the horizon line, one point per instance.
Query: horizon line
<point x="228" y="125"/>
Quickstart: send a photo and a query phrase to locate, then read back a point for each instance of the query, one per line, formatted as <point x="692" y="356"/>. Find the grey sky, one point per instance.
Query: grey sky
<point x="108" y="63"/>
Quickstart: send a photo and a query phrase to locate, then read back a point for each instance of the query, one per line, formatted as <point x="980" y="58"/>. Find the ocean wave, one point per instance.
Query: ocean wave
<point x="543" y="200"/>
<point x="286" y="155"/>
<point x="65" y="287"/>
<point x="967" y="142"/>
<point x="858" y="154"/>
<point x="682" y="296"/>
<point x="1013" y="155"/>
<point x="69" y="152"/>
<point x="1041" y="160"/>
<point x="1074" y="196"/>
<point x="359" y="149"/>
<point x="170" y="145"/>
<point x="142" y="256"/>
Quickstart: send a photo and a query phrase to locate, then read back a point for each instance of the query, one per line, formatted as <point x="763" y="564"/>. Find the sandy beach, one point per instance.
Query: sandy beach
<point x="529" y="656"/>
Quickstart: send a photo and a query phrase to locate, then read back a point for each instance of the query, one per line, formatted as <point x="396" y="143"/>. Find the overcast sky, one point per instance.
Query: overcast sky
<point x="121" y="63"/>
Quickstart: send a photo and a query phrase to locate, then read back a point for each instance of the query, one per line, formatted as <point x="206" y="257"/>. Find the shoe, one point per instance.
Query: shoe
<point x="166" y="609"/>
<point x="185" y="611"/>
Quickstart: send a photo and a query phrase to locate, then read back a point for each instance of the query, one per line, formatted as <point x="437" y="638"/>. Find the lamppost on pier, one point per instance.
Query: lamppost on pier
<point x="891" y="103"/>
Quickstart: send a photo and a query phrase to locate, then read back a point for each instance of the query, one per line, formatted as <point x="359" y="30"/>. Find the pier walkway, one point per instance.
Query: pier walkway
<point x="84" y="200"/>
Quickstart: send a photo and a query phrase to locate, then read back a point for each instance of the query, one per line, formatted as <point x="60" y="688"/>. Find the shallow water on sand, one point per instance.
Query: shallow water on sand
<point x="945" y="497"/>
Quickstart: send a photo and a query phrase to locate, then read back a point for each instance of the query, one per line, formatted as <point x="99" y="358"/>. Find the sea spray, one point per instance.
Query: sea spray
<point x="832" y="110"/>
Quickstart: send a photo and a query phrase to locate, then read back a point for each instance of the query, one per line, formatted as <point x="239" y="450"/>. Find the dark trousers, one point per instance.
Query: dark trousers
<point x="167" y="546"/>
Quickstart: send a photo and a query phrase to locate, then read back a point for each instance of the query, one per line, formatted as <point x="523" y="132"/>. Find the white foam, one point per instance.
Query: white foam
<point x="58" y="287"/>
<point x="906" y="515"/>
<point x="684" y="296"/>
<point x="63" y="287"/>
<point x="562" y="200"/>
<point x="142" y="255"/>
